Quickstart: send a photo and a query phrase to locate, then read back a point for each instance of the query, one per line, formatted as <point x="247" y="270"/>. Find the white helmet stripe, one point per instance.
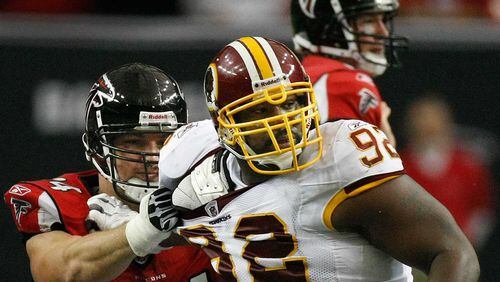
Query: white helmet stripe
<point x="337" y="8"/>
<point x="105" y="149"/>
<point x="271" y="55"/>
<point x="307" y="7"/>
<point x="247" y="60"/>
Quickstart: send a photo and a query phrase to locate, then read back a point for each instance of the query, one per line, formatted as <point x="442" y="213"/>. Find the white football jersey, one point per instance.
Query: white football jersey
<point x="280" y="230"/>
<point x="186" y="147"/>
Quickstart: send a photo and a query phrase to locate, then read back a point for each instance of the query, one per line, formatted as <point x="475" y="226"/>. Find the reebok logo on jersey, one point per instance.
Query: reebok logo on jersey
<point x="354" y="125"/>
<point x="19" y="190"/>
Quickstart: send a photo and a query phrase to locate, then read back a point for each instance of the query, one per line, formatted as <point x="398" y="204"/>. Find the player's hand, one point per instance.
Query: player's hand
<point x="205" y="183"/>
<point x="385" y="125"/>
<point x="107" y="212"/>
<point x="156" y="218"/>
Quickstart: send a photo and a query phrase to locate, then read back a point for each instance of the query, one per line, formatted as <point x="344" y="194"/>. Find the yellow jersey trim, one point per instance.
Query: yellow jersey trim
<point x="341" y="196"/>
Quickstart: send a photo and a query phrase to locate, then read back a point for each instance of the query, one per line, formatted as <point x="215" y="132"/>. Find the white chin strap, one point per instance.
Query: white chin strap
<point x="375" y="64"/>
<point x="282" y="161"/>
<point x="134" y="192"/>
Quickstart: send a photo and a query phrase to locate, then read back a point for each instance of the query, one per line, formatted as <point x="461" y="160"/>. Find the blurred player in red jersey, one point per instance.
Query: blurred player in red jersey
<point x="345" y="44"/>
<point x="129" y="113"/>
<point x="438" y="159"/>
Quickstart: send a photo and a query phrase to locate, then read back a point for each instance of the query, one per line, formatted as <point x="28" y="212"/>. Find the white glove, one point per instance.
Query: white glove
<point x="153" y="224"/>
<point x="205" y="183"/>
<point x="108" y="212"/>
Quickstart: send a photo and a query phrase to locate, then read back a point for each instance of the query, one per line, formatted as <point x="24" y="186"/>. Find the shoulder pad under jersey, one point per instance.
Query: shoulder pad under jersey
<point x="61" y="202"/>
<point x="362" y="154"/>
<point x="348" y="94"/>
<point x="188" y="145"/>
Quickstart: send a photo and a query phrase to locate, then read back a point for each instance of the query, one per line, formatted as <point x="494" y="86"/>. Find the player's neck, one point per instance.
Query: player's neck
<point x="348" y="61"/>
<point x="107" y="187"/>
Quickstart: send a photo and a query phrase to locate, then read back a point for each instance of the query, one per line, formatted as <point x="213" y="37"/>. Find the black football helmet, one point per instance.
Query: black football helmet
<point x="325" y="27"/>
<point x="131" y="99"/>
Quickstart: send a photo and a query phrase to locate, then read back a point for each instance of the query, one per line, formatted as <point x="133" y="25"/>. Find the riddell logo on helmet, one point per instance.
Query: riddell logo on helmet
<point x="161" y="117"/>
<point x="157" y="116"/>
<point x="257" y="85"/>
<point x="272" y="81"/>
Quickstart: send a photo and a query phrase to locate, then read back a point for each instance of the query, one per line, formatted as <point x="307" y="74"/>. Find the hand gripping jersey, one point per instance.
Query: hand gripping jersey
<point x="280" y="230"/>
<point x="61" y="204"/>
<point x="343" y="92"/>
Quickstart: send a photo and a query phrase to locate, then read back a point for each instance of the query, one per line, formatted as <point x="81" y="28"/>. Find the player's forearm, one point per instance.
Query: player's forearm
<point x="455" y="265"/>
<point x="100" y="256"/>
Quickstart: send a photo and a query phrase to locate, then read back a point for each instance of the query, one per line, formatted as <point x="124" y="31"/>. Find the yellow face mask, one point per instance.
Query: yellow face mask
<point x="271" y="127"/>
<point x="262" y="104"/>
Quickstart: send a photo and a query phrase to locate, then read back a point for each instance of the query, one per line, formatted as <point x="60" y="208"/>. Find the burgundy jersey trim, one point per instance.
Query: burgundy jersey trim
<point x="360" y="183"/>
<point x="213" y="152"/>
<point x="222" y="201"/>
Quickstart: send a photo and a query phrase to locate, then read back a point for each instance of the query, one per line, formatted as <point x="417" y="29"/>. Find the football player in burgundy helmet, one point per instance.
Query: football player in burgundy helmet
<point x="262" y="104"/>
<point x="349" y="29"/>
<point x="123" y="105"/>
<point x="328" y="202"/>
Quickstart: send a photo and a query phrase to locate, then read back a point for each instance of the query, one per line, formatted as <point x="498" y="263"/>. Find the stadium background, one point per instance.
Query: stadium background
<point x="50" y="60"/>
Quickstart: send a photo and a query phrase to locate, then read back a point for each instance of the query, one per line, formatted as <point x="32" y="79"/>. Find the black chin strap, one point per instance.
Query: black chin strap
<point x="220" y="164"/>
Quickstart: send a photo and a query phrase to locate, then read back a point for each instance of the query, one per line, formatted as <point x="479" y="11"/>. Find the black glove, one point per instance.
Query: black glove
<point x="161" y="213"/>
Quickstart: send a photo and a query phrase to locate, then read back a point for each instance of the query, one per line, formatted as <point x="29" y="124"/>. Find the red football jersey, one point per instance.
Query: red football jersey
<point x="461" y="183"/>
<point x="61" y="204"/>
<point x="343" y="92"/>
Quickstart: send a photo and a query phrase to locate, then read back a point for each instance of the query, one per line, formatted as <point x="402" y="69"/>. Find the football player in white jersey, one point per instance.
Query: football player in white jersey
<point x="302" y="202"/>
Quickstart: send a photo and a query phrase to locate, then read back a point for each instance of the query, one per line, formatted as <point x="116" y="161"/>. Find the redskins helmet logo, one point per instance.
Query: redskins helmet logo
<point x="211" y="87"/>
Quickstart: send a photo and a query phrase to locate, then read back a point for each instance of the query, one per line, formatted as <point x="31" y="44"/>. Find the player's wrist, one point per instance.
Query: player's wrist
<point x="142" y="236"/>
